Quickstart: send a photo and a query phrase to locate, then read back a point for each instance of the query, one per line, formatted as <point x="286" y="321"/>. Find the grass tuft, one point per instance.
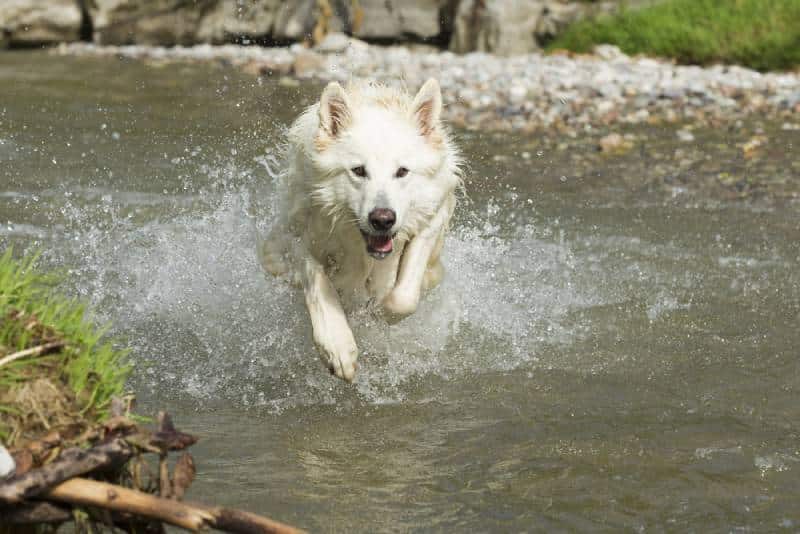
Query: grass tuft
<point x="760" y="34"/>
<point x="72" y="383"/>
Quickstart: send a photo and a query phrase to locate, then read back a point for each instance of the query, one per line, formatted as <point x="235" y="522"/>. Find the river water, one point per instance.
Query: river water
<point x="599" y="357"/>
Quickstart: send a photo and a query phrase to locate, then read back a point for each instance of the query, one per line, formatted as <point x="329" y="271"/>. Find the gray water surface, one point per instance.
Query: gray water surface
<point x="599" y="357"/>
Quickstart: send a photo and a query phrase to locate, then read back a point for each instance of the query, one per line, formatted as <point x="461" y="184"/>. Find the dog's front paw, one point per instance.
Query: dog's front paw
<point x="398" y="305"/>
<point x="271" y="255"/>
<point x="341" y="361"/>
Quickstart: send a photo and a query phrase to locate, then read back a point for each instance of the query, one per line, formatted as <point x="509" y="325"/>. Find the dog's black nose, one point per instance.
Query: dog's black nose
<point x="382" y="219"/>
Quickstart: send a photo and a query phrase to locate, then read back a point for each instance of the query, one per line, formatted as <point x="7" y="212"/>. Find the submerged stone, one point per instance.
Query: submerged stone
<point x="35" y="22"/>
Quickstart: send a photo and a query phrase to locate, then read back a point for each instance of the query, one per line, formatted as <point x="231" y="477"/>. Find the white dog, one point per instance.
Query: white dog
<point x="371" y="182"/>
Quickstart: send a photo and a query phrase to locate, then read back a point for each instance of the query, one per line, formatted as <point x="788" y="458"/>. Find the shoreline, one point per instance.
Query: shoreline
<point x="567" y="93"/>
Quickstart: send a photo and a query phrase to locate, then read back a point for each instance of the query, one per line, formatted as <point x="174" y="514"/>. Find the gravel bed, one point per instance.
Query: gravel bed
<point x="568" y="93"/>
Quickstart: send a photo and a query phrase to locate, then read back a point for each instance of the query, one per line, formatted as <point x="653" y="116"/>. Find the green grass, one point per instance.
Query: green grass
<point x="760" y="34"/>
<point x="32" y="313"/>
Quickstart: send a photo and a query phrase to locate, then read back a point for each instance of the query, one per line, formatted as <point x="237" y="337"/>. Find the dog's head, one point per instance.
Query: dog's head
<point x="385" y="160"/>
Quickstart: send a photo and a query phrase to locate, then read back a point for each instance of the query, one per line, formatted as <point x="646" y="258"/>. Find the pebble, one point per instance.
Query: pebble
<point x="752" y="146"/>
<point x="531" y="92"/>
<point x="332" y="43"/>
<point x="307" y="63"/>
<point x="518" y="94"/>
<point x="286" y="81"/>
<point x="608" y="52"/>
<point x="614" y="143"/>
<point x="7" y="465"/>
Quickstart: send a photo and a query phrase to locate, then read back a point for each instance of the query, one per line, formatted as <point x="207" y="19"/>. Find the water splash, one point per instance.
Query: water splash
<point x="183" y="287"/>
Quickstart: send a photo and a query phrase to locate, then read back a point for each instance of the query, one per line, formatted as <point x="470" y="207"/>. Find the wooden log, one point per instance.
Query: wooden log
<point x="85" y="492"/>
<point x="71" y="463"/>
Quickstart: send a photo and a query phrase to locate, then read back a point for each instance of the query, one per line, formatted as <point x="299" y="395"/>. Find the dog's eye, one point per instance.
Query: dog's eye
<point x="402" y="171"/>
<point x="359" y="171"/>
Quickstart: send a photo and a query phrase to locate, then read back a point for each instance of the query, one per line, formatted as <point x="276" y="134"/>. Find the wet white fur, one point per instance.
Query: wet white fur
<point x="319" y="245"/>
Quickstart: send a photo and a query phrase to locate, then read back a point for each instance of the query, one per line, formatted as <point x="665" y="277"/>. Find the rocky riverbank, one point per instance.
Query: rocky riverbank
<point x="563" y="93"/>
<point x="499" y="26"/>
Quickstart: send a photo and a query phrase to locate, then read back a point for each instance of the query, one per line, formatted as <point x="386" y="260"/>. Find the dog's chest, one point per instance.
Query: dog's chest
<point x="359" y="278"/>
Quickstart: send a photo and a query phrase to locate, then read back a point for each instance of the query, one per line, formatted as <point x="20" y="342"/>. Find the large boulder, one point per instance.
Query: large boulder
<point x="508" y="27"/>
<point x="295" y="21"/>
<point x="556" y="16"/>
<point x="499" y="26"/>
<point x="366" y="19"/>
<point x="234" y="21"/>
<point x="34" y="22"/>
<point x="394" y="19"/>
<point x="155" y="22"/>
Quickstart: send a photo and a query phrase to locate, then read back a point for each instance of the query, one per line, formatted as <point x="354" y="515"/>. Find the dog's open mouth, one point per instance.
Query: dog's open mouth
<point x="378" y="246"/>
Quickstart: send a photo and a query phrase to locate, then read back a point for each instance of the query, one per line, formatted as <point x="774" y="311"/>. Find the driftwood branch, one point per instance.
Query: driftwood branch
<point x="33" y="351"/>
<point x="34" y="513"/>
<point x="71" y="463"/>
<point x="48" y="493"/>
<point x="240" y="522"/>
<point x="182" y="475"/>
<point x="85" y="492"/>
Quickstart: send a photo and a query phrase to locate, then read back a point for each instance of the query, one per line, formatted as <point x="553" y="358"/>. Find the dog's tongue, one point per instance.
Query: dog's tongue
<point x="380" y="243"/>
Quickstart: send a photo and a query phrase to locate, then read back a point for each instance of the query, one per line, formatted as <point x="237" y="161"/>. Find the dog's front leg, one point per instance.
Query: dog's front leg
<point x="403" y="299"/>
<point x="332" y="334"/>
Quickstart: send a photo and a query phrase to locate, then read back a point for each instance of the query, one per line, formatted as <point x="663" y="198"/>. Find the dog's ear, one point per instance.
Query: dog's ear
<point x="334" y="111"/>
<point x="427" y="107"/>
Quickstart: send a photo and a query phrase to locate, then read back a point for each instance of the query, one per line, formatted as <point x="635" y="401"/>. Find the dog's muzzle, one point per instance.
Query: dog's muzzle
<point x="381" y="221"/>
